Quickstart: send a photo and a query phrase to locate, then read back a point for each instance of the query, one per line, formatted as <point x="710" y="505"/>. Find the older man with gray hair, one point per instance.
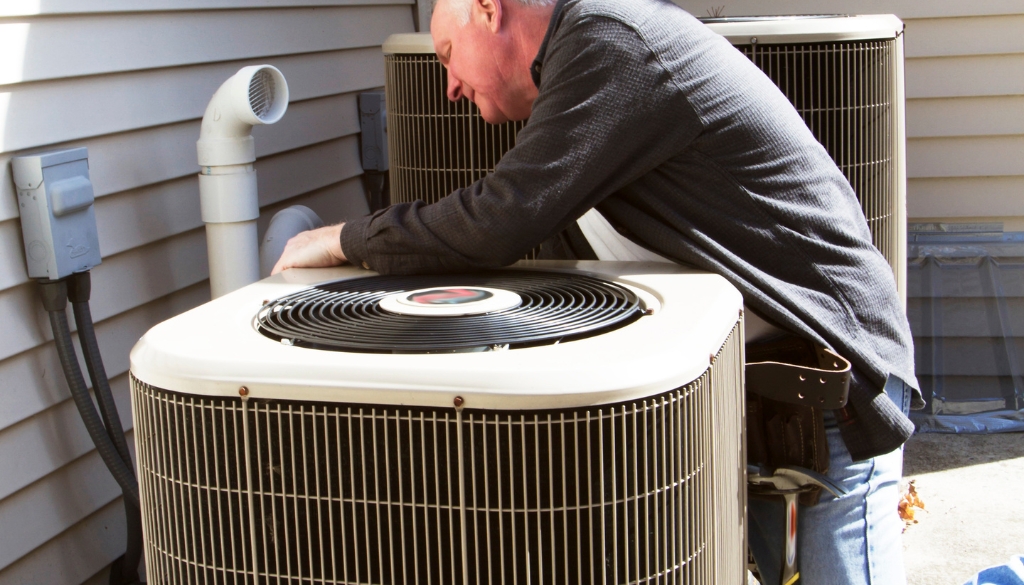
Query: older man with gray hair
<point x="638" y="110"/>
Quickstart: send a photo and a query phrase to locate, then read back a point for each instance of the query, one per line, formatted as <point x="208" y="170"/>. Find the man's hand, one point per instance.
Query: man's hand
<point x="313" y="249"/>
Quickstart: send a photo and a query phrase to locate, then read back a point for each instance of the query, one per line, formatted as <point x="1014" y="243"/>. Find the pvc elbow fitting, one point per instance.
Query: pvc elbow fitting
<point x="257" y="94"/>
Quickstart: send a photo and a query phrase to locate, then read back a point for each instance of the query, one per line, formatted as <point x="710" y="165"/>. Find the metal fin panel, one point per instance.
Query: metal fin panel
<point x="436" y="146"/>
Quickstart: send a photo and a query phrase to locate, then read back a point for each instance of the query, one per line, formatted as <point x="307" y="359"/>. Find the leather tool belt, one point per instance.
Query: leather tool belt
<point x="790" y="382"/>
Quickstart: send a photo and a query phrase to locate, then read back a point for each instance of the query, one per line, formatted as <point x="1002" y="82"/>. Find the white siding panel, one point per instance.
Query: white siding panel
<point x="31" y="383"/>
<point x="150" y="214"/>
<point x="905" y="9"/>
<point x="971" y="116"/>
<point x="50" y="440"/>
<point x="25" y="323"/>
<point x="120" y="283"/>
<point x="35" y="7"/>
<point x="308" y="122"/>
<point x="43" y="510"/>
<point x="969" y="76"/>
<point x="12" y="263"/>
<point x="298" y="171"/>
<point x="335" y="203"/>
<point x="129" y="160"/>
<point x="947" y="37"/>
<point x="965" y="157"/>
<point x="966" y="197"/>
<point x="80" y="552"/>
<point x="147" y="273"/>
<point x="33" y="380"/>
<point x="50" y="112"/>
<point x="72" y="46"/>
<point x="135" y="218"/>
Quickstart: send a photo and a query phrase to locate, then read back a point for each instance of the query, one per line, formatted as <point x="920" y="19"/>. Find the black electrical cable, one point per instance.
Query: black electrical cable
<point x="55" y="301"/>
<point x="79" y="286"/>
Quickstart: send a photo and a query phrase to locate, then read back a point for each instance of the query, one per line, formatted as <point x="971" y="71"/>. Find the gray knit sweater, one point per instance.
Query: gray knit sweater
<point x="690" y="151"/>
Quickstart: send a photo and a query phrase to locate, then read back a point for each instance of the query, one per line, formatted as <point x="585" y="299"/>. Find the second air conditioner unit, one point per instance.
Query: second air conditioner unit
<point x="844" y="75"/>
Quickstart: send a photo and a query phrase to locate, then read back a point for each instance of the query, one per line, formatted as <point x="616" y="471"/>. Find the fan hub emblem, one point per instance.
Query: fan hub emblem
<point x="450" y="301"/>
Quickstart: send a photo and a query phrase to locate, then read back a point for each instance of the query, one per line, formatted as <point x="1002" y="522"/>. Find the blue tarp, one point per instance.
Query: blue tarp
<point x="998" y="421"/>
<point x="965" y="303"/>
<point x="1012" y="573"/>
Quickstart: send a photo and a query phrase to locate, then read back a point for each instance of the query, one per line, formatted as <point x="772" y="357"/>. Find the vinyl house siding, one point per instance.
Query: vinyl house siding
<point x="965" y="100"/>
<point x="130" y="80"/>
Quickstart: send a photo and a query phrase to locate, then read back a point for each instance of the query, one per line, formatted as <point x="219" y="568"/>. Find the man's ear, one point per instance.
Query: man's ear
<point x="489" y="12"/>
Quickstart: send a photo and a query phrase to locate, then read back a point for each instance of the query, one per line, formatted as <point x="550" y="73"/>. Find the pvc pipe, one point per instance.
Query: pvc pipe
<point x="227" y="181"/>
<point x="233" y="255"/>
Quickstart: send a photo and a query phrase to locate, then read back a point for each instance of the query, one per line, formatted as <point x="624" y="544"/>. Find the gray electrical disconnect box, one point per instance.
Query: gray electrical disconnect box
<point x="58" y="222"/>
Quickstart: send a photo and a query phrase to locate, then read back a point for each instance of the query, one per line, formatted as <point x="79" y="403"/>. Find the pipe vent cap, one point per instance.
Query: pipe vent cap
<point x="268" y="94"/>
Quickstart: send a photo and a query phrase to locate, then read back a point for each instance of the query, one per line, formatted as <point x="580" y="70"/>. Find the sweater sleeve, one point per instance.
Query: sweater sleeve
<point x="607" y="113"/>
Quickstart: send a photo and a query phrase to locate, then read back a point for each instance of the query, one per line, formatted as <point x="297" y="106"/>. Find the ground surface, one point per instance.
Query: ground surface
<point x="973" y="490"/>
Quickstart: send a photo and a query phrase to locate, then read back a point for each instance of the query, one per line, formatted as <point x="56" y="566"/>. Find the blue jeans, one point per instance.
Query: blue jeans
<point x="854" y="539"/>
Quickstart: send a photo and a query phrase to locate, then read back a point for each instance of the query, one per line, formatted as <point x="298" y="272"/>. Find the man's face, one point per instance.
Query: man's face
<point x="479" y="57"/>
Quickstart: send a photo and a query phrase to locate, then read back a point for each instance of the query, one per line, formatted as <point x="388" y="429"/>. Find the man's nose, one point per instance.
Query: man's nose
<point x="454" y="87"/>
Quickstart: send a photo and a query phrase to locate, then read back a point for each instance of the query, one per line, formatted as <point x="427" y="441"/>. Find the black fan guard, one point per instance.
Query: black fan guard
<point x="345" y="315"/>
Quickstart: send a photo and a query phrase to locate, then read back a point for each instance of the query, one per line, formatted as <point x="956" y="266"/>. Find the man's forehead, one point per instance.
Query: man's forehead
<point x="440" y="25"/>
<point x="454" y="13"/>
<point x="440" y="7"/>
<point x="438" y="32"/>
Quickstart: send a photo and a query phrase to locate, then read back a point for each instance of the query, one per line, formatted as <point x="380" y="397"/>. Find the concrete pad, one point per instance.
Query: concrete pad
<point x="973" y="490"/>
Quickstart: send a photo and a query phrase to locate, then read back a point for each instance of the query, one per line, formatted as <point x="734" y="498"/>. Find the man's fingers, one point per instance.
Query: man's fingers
<point x="312" y="249"/>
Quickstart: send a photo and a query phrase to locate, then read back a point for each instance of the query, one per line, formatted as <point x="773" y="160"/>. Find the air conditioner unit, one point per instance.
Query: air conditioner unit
<point x="844" y="74"/>
<point x="548" y="423"/>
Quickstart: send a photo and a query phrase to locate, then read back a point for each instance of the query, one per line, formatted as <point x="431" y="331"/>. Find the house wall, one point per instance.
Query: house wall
<point x="965" y="100"/>
<point x="130" y="79"/>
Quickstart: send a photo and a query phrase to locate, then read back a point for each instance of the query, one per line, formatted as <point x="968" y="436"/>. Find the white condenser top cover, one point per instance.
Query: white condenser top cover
<point x="215" y="350"/>
<point x="822" y="28"/>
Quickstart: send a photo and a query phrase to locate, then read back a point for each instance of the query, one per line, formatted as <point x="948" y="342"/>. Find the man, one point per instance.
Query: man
<point x="637" y="109"/>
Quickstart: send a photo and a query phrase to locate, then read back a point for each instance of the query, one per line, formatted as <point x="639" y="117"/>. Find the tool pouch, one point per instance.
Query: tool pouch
<point x="790" y="382"/>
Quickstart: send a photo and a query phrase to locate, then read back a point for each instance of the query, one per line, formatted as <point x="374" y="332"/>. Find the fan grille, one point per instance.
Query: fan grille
<point x="346" y="315"/>
<point x="286" y="492"/>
